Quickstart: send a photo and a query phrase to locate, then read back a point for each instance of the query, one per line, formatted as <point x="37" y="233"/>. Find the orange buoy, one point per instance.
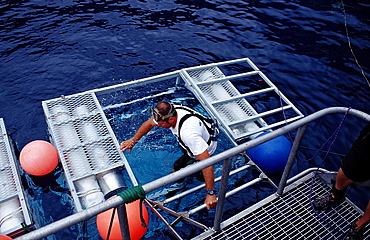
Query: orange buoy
<point x="5" y="237"/>
<point x="39" y="158"/>
<point x="137" y="230"/>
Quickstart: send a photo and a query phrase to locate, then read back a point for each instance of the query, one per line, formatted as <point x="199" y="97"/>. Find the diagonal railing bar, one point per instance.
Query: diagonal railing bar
<point x="196" y="167"/>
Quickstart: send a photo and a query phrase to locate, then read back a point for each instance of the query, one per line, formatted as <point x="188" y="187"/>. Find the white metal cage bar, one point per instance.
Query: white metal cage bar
<point x="235" y="114"/>
<point x="87" y="146"/>
<point x="13" y="204"/>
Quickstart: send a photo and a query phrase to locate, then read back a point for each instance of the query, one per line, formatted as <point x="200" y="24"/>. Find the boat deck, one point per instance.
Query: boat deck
<point x="290" y="216"/>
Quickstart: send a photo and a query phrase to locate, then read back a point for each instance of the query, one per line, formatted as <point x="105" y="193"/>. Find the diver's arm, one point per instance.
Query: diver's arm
<point x="208" y="174"/>
<point x="143" y="129"/>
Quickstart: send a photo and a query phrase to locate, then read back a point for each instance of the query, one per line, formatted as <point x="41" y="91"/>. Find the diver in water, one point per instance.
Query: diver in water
<point x="196" y="135"/>
<point x="355" y="167"/>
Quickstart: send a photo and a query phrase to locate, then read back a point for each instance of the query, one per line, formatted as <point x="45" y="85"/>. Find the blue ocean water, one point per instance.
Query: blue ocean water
<point x="53" y="48"/>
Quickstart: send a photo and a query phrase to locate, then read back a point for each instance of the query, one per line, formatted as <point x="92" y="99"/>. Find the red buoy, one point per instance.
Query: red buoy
<point x="137" y="230"/>
<point x="39" y="158"/>
<point x="5" y="237"/>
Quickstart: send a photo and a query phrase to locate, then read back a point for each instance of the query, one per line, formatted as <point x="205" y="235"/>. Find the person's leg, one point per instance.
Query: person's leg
<point x="365" y="219"/>
<point x="342" y="181"/>
<point x="336" y="194"/>
<point x="357" y="229"/>
<point x="184" y="161"/>
<point x="181" y="162"/>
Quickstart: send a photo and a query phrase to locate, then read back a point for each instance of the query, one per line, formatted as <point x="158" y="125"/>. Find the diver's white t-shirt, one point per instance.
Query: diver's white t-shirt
<point x="194" y="134"/>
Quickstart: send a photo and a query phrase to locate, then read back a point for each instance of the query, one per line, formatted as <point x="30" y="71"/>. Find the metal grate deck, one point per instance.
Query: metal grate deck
<point x="290" y="217"/>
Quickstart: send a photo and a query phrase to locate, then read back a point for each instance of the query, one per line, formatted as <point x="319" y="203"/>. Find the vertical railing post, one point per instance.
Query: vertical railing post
<point x="122" y="216"/>
<point x="292" y="155"/>
<point x="222" y="193"/>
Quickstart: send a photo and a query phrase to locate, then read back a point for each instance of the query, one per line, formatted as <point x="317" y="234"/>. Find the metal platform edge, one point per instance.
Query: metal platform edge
<point x="295" y="181"/>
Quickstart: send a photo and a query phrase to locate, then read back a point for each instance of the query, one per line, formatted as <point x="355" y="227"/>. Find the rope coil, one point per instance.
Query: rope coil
<point x="132" y="194"/>
<point x="128" y="196"/>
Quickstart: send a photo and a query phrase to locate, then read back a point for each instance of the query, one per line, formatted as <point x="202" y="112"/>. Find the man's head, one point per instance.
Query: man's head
<point x="164" y="114"/>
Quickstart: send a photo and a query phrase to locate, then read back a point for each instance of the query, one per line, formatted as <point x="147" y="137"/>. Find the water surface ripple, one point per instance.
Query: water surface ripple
<point x="53" y="48"/>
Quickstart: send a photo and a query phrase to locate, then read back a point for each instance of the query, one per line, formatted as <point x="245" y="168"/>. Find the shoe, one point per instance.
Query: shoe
<point x="354" y="234"/>
<point x="327" y="201"/>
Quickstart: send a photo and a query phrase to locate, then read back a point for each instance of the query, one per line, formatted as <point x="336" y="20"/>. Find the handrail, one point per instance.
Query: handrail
<point x="189" y="170"/>
<point x="248" y="145"/>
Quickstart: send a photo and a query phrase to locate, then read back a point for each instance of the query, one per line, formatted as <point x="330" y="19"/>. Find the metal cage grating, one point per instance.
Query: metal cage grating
<point x="8" y="184"/>
<point x="230" y="105"/>
<point x="14" y="214"/>
<point x="291" y="217"/>
<point x="219" y="91"/>
<point x="66" y="107"/>
<point x="199" y="75"/>
<point x="82" y="134"/>
<point x="86" y="144"/>
<point x="232" y="113"/>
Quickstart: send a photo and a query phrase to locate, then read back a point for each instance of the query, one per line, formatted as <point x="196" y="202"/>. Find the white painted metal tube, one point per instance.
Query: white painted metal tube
<point x="116" y="201"/>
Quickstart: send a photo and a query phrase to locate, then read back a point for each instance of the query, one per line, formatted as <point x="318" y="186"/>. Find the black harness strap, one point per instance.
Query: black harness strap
<point x="204" y="120"/>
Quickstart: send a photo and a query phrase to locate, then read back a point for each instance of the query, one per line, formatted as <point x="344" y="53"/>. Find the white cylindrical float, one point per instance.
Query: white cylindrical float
<point x="111" y="182"/>
<point x="89" y="132"/>
<point x="88" y="191"/>
<point x="251" y="127"/>
<point x="78" y="162"/>
<point x="87" y="128"/>
<point x="11" y="217"/>
<point x="81" y="111"/>
<point x="60" y="113"/>
<point x="100" y="157"/>
<point x="68" y="135"/>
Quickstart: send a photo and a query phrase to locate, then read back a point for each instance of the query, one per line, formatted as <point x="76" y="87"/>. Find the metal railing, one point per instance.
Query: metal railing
<point x="173" y="177"/>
